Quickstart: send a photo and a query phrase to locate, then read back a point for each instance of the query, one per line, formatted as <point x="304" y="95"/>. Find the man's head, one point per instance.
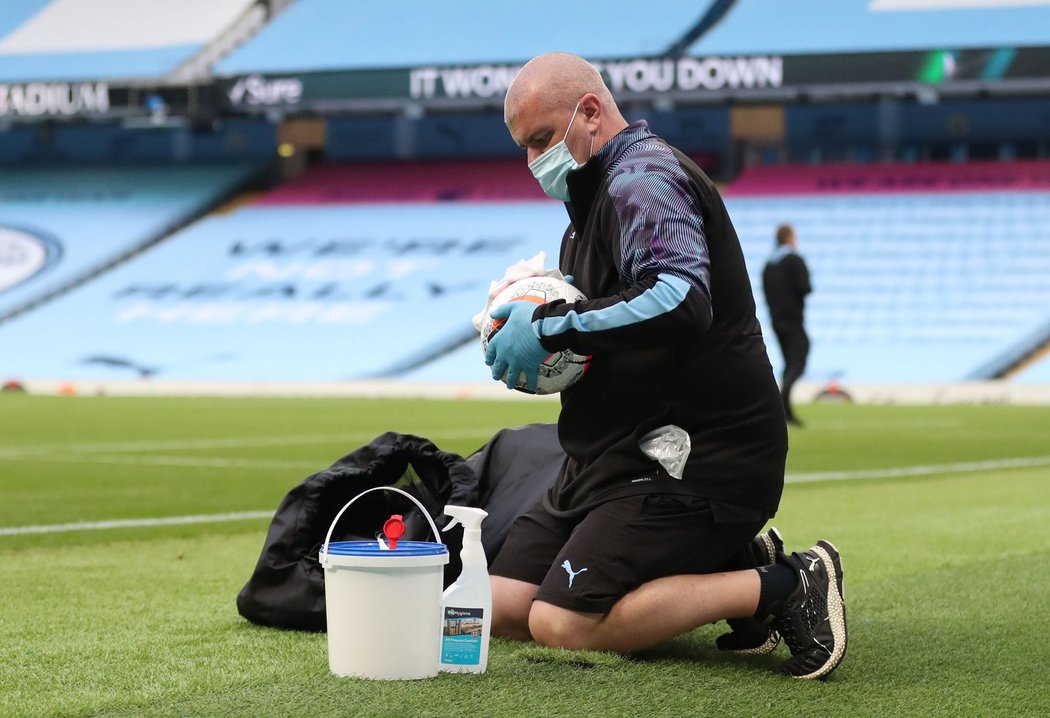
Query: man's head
<point x="542" y="98"/>
<point x="785" y="235"/>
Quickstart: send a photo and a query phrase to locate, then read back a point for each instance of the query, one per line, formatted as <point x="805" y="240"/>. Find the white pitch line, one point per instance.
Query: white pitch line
<point x="135" y="523"/>
<point x="904" y="471"/>
<point x="1017" y="463"/>
<point x="207" y="462"/>
<point x="132" y="446"/>
<point x="228" y="443"/>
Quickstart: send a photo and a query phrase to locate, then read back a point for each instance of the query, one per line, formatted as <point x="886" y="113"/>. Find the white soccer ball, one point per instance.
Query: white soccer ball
<point x="560" y="370"/>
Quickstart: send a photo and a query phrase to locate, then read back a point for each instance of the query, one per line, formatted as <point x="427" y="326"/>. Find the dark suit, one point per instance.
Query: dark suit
<point x="785" y="281"/>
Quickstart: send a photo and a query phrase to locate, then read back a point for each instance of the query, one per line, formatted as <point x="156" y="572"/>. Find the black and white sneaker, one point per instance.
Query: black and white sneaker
<point x="743" y="640"/>
<point x="812" y="620"/>
<point x="748" y="637"/>
<point x="766" y="547"/>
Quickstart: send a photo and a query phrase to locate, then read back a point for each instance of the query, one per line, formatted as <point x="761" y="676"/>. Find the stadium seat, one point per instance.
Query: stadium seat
<point x="76" y="221"/>
<point x="296" y="288"/>
<point x="908" y="286"/>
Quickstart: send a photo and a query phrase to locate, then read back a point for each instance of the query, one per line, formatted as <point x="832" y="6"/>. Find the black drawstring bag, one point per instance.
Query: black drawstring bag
<point x="505" y="477"/>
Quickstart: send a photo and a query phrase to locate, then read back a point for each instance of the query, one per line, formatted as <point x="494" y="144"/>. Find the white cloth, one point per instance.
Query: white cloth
<point x="521" y="269"/>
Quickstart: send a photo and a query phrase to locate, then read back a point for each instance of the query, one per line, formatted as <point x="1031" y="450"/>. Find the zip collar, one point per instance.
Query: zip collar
<point x="585" y="180"/>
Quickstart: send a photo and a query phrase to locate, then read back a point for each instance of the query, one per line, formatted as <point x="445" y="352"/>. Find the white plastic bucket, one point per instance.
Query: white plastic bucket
<point x="383" y="605"/>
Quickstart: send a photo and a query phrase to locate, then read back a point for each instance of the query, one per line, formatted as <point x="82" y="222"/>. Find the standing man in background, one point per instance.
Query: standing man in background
<point x="785" y="281"/>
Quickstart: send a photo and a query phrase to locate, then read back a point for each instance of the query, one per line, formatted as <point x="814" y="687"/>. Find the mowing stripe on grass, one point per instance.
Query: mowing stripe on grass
<point x="905" y="471"/>
<point x="135" y="523"/>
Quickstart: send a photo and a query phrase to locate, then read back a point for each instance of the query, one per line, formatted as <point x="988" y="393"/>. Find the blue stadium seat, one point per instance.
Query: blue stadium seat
<point x="910" y="287"/>
<point x="395" y="33"/>
<point x="295" y="293"/>
<point x="64" y="224"/>
<point x="759" y="26"/>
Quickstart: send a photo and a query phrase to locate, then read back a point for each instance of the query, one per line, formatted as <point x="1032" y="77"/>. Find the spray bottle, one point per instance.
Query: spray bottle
<point x="466" y="607"/>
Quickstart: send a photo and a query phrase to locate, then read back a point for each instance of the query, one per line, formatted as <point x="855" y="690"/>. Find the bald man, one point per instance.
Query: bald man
<point x="630" y="547"/>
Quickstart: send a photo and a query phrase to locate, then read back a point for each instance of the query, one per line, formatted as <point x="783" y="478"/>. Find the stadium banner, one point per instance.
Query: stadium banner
<point x="648" y="77"/>
<point x="54" y="99"/>
<point x="33" y="102"/>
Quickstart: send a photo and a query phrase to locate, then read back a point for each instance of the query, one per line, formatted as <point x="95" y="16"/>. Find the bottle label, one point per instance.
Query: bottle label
<point x="461" y="635"/>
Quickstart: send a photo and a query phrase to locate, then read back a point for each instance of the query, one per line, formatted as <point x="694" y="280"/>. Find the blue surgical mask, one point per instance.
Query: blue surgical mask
<point x="552" y="167"/>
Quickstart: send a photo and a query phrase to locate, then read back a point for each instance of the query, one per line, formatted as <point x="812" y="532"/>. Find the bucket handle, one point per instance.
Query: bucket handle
<point x="413" y="499"/>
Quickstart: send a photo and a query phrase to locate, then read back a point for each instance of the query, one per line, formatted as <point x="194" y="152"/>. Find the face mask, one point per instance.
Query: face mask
<point x="552" y="167"/>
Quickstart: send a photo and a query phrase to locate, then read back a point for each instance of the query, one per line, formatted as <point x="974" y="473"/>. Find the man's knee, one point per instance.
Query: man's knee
<point x="511" y="602"/>
<point x="560" y="628"/>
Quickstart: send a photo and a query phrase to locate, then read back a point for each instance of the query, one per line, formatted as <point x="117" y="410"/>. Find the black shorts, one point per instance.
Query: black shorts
<point x="587" y="564"/>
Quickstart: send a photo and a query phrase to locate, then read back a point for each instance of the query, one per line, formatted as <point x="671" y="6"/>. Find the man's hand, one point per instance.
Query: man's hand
<point x="515" y="348"/>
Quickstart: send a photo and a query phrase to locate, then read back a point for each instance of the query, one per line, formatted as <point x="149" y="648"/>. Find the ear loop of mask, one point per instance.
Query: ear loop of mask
<point x="569" y="126"/>
<point x="590" y="149"/>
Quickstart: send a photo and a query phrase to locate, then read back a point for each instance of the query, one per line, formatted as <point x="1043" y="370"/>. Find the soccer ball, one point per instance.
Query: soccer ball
<point x="560" y="370"/>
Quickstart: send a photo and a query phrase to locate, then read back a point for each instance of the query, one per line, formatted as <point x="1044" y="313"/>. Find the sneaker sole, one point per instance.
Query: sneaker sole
<point x="772" y="641"/>
<point x="832" y="561"/>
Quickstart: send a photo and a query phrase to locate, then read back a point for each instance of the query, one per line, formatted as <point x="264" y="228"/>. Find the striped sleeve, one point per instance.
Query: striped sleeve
<point x="663" y="263"/>
<point x="661" y="226"/>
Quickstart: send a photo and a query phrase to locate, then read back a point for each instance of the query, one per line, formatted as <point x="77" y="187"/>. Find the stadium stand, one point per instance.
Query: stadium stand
<point x="463" y="32"/>
<point x="922" y="272"/>
<point x="455" y="32"/>
<point x="112" y="39"/>
<point x="959" y="130"/>
<point x="396" y="211"/>
<point x="465" y="181"/>
<point x="703" y="132"/>
<point x="283" y="290"/>
<point x="84" y="147"/>
<point x="63" y="226"/>
<point x="17" y="12"/>
<point x="1037" y="372"/>
<point x="853" y="26"/>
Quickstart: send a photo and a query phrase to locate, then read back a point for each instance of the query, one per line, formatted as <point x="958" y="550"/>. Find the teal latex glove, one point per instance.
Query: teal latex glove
<point x="515" y="349"/>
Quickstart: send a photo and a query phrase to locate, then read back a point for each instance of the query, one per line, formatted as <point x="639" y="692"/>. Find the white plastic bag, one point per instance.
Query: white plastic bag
<point x="521" y="269"/>
<point x="670" y="446"/>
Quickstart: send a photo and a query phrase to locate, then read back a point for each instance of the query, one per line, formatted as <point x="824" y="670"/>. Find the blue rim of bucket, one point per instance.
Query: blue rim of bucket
<point x="371" y="548"/>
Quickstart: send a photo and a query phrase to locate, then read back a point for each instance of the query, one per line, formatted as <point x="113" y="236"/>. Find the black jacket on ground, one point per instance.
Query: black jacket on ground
<point x="505" y="477"/>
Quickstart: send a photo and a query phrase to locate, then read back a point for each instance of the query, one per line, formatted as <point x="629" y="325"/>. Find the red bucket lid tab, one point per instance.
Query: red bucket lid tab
<point x="394" y="529"/>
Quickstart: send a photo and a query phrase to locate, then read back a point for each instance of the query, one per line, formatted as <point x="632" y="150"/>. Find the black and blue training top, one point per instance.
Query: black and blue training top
<point x="671" y="328"/>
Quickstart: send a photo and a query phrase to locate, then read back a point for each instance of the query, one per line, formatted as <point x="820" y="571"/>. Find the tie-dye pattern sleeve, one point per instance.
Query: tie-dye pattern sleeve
<point x="661" y="227"/>
<point x="663" y="263"/>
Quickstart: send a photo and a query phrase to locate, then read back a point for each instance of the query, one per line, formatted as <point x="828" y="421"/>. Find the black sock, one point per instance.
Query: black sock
<point x="746" y="625"/>
<point x="777" y="581"/>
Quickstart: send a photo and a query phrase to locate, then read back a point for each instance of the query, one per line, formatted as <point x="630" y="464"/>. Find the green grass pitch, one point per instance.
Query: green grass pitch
<point x="942" y="515"/>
